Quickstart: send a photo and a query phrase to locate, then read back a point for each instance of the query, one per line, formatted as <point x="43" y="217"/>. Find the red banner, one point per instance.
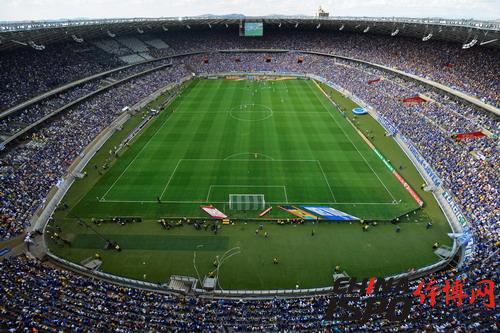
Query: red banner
<point x="468" y="135"/>
<point x="374" y="81"/>
<point x="409" y="189"/>
<point x="414" y="99"/>
<point x="265" y="211"/>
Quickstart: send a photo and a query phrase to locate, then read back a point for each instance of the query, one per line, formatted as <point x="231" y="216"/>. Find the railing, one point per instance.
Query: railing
<point x="79" y="100"/>
<point x="72" y="84"/>
<point x="456" y="93"/>
<point x="289" y="293"/>
<point x="454" y="215"/>
<point x="56" y="194"/>
<point x="33" y="25"/>
<point x="107" y="277"/>
<point x="463" y="96"/>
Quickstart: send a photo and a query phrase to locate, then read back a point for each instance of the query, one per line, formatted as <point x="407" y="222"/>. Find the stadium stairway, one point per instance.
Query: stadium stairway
<point x="107" y="81"/>
<point x="189" y="68"/>
<point x="182" y="283"/>
<point x="112" y="46"/>
<point x="12" y="247"/>
<point x="157" y="43"/>
<point x="134" y="44"/>
<point x="179" y="286"/>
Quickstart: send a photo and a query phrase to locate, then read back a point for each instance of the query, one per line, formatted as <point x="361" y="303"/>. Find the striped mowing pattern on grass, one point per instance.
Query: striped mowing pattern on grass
<point x="272" y="135"/>
<point x="290" y="144"/>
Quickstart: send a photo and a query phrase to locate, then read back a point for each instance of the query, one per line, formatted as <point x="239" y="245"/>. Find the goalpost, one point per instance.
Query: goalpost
<point x="247" y="202"/>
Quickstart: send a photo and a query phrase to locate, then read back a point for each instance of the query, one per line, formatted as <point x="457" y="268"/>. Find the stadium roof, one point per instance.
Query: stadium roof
<point x="467" y="32"/>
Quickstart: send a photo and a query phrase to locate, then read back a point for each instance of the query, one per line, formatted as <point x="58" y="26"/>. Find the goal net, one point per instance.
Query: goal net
<point x="247" y="202"/>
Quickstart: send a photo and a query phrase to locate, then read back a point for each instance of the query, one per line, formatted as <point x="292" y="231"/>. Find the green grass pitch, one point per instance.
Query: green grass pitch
<point x="281" y="139"/>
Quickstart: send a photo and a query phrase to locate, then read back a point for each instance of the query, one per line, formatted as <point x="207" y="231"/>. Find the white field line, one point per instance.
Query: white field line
<point x="298" y="113"/>
<point x="249" y="153"/>
<point x="273" y="202"/>
<point x="171" y="176"/>
<point x="131" y="162"/>
<point x="239" y="185"/>
<point x="208" y="194"/>
<point x="263" y="186"/>
<point x="348" y="138"/>
<point x="243" y="160"/>
<point x="326" y="180"/>
<point x="286" y="195"/>
<point x="129" y="201"/>
<point x="254" y="160"/>
<point x="221" y="112"/>
<point x="220" y="159"/>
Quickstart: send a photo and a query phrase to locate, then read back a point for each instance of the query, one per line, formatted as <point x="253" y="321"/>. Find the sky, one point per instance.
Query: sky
<point x="15" y="10"/>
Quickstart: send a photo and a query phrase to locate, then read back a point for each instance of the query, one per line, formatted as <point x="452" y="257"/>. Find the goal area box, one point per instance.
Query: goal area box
<point x="246" y="202"/>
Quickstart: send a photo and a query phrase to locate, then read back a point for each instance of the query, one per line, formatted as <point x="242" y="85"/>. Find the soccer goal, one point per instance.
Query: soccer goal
<point x="246" y="202"/>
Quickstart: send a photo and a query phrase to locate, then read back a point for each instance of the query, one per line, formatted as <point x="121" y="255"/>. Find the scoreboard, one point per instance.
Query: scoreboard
<point x="251" y="29"/>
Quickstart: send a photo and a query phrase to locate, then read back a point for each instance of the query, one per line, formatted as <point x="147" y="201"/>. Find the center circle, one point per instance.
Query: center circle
<point x="251" y="112"/>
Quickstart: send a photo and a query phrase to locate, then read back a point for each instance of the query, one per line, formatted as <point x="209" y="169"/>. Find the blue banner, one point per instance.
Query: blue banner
<point x="4" y="251"/>
<point x="330" y="213"/>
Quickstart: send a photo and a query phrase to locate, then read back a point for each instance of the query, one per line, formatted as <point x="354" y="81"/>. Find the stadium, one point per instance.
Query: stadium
<point x="222" y="173"/>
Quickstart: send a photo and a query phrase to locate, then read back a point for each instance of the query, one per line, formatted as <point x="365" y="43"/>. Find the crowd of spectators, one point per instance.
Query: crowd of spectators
<point x="468" y="167"/>
<point x="29" y="115"/>
<point x="28" y="171"/>
<point x="51" y="299"/>
<point x="37" y="297"/>
<point x="446" y="63"/>
<point x="19" y="120"/>
<point x="26" y="73"/>
<point x="429" y="125"/>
